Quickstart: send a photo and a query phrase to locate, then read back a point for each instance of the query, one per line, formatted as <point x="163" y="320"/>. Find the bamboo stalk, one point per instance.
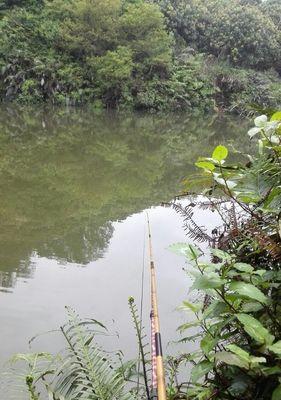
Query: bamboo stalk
<point x="158" y="373"/>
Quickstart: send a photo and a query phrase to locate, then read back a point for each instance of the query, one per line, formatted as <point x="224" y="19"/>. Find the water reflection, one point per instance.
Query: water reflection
<point x="67" y="175"/>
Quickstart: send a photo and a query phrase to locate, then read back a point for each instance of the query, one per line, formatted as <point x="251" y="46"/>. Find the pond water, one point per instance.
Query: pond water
<point x="75" y="186"/>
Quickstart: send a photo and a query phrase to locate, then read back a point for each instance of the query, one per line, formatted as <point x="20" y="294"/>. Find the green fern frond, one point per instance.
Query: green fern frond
<point x="24" y="373"/>
<point x="87" y="372"/>
<point x="84" y="371"/>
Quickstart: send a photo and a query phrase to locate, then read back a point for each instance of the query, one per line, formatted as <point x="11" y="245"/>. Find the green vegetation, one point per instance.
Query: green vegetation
<point x="157" y="55"/>
<point x="83" y="371"/>
<point x="236" y="315"/>
<point x="244" y="34"/>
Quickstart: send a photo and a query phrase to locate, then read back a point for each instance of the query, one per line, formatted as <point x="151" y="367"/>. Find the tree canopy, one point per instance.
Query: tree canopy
<point x="245" y="33"/>
<point x="136" y="53"/>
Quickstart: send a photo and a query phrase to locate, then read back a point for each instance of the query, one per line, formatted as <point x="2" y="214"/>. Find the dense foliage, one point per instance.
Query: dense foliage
<point x="237" y="309"/>
<point x="241" y="32"/>
<point x="83" y="50"/>
<point x="166" y="54"/>
<point x="83" y="371"/>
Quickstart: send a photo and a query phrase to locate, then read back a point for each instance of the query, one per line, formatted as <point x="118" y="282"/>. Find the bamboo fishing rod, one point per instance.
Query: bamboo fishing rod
<point x="158" y="391"/>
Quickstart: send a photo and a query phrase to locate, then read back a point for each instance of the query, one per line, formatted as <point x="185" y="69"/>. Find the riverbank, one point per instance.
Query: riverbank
<point x="138" y="55"/>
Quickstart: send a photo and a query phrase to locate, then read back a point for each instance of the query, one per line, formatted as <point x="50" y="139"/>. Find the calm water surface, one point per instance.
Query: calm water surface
<point x="74" y="188"/>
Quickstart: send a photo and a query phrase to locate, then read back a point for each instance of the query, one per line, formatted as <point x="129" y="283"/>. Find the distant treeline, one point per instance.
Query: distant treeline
<point x="157" y="55"/>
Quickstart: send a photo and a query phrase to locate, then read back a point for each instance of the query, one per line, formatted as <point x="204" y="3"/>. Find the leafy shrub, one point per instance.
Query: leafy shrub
<point x="273" y="9"/>
<point x="30" y="91"/>
<point x="142" y="26"/>
<point x="238" y="315"/>
<point x="120" y="53"/>
<point x="244" y="35"/>
<point x="231" y="30"/>
<point x="82" y="51"/>
<point x="243" y="90"/>
<point x="112" y="73"/>
<point x="187" y="88"/>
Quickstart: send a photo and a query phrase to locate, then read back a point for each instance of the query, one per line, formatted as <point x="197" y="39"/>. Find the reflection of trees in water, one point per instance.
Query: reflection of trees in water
<point x="8" y="278"/>
<point x="81" y="246"/>
<point x="65" y="175"/>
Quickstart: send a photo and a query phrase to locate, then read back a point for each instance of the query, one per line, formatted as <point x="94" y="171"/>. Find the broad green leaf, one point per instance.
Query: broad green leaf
<point x="243" y="267"/>
<point x="248" y="198"/>
<point x="231" y="359"/>
<point x="227" y="183"/>
<point x="220" y="153"/>
<point x="248" y="290"/>
<point x="239" y="352"/>
<point x="215" y="309"/>
<point x="256" y="361"/>
<point x="276" y="116"/>
<point x="272" y="200"/>
<point x="208" y="343"/>
<point x="211" y="266"/>
<point x="275" y="139"/>
<point x="185" y="249"/>
<point x="245" y="356"/>
<point x="261" y="121"/>
<point x="253" y="131"/>
<point x="187" y="339"/>
<point x="239" y="386"/>
<point x="188" y="325"/>
<point x="195" y="307"/>
<point x="251" y="307"/>
<point x="252" y="361"/>
<point x="233" y="273"/>
<point x="211" y="281"/>
<point x="276" y="347"/>
<point x="207" y="165"/>
<point x="200" y="370"/>
<point x="255" y="329"/>
<point x="222" y="255"/>
<point x="219" y="180"/>
<point x="271" y="370"/>
<point x="260" y="272"/>
<point x="231" y="184"/>
<point x="181" y="249"/>
<point x="276" y="395"/>
<point x="224" y="182"/>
